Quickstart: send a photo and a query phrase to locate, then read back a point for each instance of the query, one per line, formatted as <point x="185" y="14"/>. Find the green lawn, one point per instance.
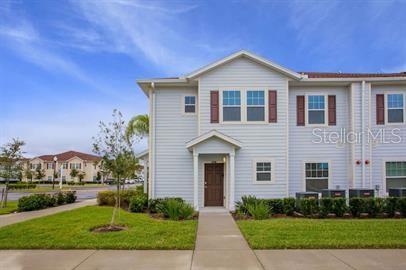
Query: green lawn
<point x="11" y="207"/>
<point x="293" y="233"/>
<point x="71" y="230"/>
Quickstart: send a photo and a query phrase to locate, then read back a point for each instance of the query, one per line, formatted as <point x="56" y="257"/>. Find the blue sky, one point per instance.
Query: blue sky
<point x="65" y="65"/>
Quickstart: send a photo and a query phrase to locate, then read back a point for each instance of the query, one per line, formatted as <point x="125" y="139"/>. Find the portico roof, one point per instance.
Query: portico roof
<point x="213" y="133"/>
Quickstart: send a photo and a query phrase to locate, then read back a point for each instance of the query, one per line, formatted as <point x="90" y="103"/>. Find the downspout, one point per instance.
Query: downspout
<point x="362" y="135"/>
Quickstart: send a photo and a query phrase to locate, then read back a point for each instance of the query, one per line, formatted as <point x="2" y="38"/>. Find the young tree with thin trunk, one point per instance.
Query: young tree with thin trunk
<point x="118" y="158"/>
<point x="11" y="157"/>
<point x="81" y="176"/>
<point x="74" y="173"/>
<point x="28" y="174"/>
<point x="39" y="174"/>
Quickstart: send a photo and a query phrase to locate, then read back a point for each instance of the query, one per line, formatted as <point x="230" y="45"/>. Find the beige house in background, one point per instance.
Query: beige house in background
<point x="67" y="161"/>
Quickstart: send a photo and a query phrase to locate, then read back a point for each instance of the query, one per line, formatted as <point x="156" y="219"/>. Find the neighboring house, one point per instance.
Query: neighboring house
<point x="89" y="164"/>
<point x="247" y="126"/>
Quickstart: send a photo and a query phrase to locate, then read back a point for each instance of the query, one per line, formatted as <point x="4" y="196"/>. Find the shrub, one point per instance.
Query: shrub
<point x="259" y="210"/>
<point x="72" y="183"/>
<point x="275" y="205"/>
<point x="154" y="204"/>
<point x="174" y="209"/>
<point x="35" y="202"/>
<point x="392" y="204"/>
<point x="326" y="206"/>
<point x="138" y="203"/>
<point x="70" y="196"/>
<point x="242" y="206"/>
<point x="22" y="186"/>
<point x="60" y="198"/>
<point x="108" y="197"/>
<point x="374" y="206"/>
<point x="308" y="206"/>
<point x="402" y="206"/>
<point x="357" y="206"/>
<point x="339" y="206"/>
<point x="289" y="206"/>
<point x="140" y="189"/>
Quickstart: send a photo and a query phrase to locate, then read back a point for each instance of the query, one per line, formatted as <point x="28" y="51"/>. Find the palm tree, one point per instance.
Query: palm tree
<point x="138" y="126"/>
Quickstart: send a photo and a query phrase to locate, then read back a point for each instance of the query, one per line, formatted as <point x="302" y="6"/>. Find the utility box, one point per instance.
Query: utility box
<point x="333" y="193"/>
<point x="307" y="195"/>
<point x="397" y="192"/>
<point x="361" y="193"/>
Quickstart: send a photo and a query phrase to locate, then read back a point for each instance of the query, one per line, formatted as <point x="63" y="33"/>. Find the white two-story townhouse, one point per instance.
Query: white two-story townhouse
<point x="247" y="126"/>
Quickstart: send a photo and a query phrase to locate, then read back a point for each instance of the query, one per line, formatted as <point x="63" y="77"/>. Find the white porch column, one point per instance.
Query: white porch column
<point x="232" y="181"/>
<point x="195" y="180"/>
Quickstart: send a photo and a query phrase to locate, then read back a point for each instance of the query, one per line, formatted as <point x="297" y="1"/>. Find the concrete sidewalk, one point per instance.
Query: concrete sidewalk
<point x="20" y="217"/>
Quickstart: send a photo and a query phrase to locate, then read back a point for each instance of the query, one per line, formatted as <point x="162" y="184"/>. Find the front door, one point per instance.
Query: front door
<point x="213" y="184"/>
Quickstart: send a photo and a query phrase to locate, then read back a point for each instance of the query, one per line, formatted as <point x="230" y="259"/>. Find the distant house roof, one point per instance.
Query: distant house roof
<point x="69" y="155"/>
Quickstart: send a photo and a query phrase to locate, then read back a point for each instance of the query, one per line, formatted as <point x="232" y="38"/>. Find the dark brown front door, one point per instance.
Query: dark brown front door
<point x="213" y="184"/>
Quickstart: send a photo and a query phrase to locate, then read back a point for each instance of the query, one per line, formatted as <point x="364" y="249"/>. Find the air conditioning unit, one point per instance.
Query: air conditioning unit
<point x="397" y="192"/>
<point x="333" y="193"/>
<point x="361" y="193"/>
<point x="307" y="195"/>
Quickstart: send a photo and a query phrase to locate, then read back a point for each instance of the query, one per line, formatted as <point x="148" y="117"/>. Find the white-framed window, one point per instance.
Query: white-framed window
<point x="65" y="165"/>
<point x="395" y="104"/>
<point x="50" y="165"/>
<point x="76" y="166"/>
<point x="316" y="176"/>
<point x="64" y="178"/>
<point x="263" y="171"/>
<point x="36" y="166"/>
<point x="316" y="109"/>
<point x="395" y="174"/>
<point x="255" y="105"/>
<point x="189" y="104"/>
<point x="49" y="178"/>
<point x="231" y="106"/>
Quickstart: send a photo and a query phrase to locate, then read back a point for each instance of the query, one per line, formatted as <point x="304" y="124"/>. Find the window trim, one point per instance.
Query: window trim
<point x="184" y="104"/>
<point x="307" y="109"/>
<point x="243" y="109"/>
<point x="256" y="106"/>
<point x="384" y="160"/>
<point x="329" y="178"/>
<point x="386" y="93"/>
<point x="254" y="170"/>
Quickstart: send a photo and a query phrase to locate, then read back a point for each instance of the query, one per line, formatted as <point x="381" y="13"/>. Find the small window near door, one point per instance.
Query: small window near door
<point x="263" y="171"/>
<point x="395" y="108"/>
<point x="190" y="104"/>
<point x="395" y="174"/>
<point x="316" y="176"/>
<point x="316" y="110"/>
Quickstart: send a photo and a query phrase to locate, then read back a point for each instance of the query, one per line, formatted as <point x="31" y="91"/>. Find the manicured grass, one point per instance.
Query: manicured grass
<point x="11" y="207"/>
<point x="290" y="233"/>
<point x="71" y="230"/>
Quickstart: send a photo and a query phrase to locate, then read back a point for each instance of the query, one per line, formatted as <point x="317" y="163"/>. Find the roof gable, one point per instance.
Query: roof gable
<point x="213" y="133"/>
<point x="248" y="55"/>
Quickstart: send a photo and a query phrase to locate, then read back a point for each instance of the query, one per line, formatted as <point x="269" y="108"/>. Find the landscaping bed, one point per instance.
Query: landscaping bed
<point x="73" y="230"/>
<point x="303" y="233"/>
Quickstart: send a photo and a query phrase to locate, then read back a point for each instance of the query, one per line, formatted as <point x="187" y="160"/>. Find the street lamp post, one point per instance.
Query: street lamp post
<point x="53" y="178"/>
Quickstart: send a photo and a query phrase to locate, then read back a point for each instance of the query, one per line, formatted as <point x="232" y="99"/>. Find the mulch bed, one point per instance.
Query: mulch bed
<point x="109" y="228"/>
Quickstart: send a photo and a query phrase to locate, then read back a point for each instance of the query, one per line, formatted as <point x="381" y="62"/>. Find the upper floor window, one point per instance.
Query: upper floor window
<point x="316" y="176"/>
<point x="65" y="165"/>
<point x="395" y="174"/>
<point x="190" y="104"/>
<point x="316" y="109"/>
<point x="36" y="166"/>
<point x="76" y="166"/>
<point x="395" y="112"/>
<point x="255" y="105"/>
<point x="231" y="106"/>
<point x="50" y="166"/>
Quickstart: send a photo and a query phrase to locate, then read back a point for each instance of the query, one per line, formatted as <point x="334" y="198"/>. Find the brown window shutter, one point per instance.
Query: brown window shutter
<point x="300" y="110"/>
<point x="214" y="106"/>
<point x="272" y="106"/>
<point x="380" y="109"/>
<point x="332" y="111"/>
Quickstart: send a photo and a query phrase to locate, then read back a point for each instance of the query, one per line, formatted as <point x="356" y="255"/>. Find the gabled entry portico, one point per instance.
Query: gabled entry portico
<point x="214" y="169"/>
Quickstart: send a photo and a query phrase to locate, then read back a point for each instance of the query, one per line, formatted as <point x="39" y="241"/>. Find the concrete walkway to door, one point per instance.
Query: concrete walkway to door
<point x="220" y="244"/>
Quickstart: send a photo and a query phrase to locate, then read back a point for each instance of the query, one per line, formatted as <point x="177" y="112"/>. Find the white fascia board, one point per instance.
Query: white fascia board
<point x="142" y="154"/>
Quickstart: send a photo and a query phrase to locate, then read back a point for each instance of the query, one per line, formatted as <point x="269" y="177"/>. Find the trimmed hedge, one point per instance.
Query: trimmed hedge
<point x="108" y="197"/>
<point x="371" y="207"/>
<point x="22" y="186"/>
<point x="42" y="201"/>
